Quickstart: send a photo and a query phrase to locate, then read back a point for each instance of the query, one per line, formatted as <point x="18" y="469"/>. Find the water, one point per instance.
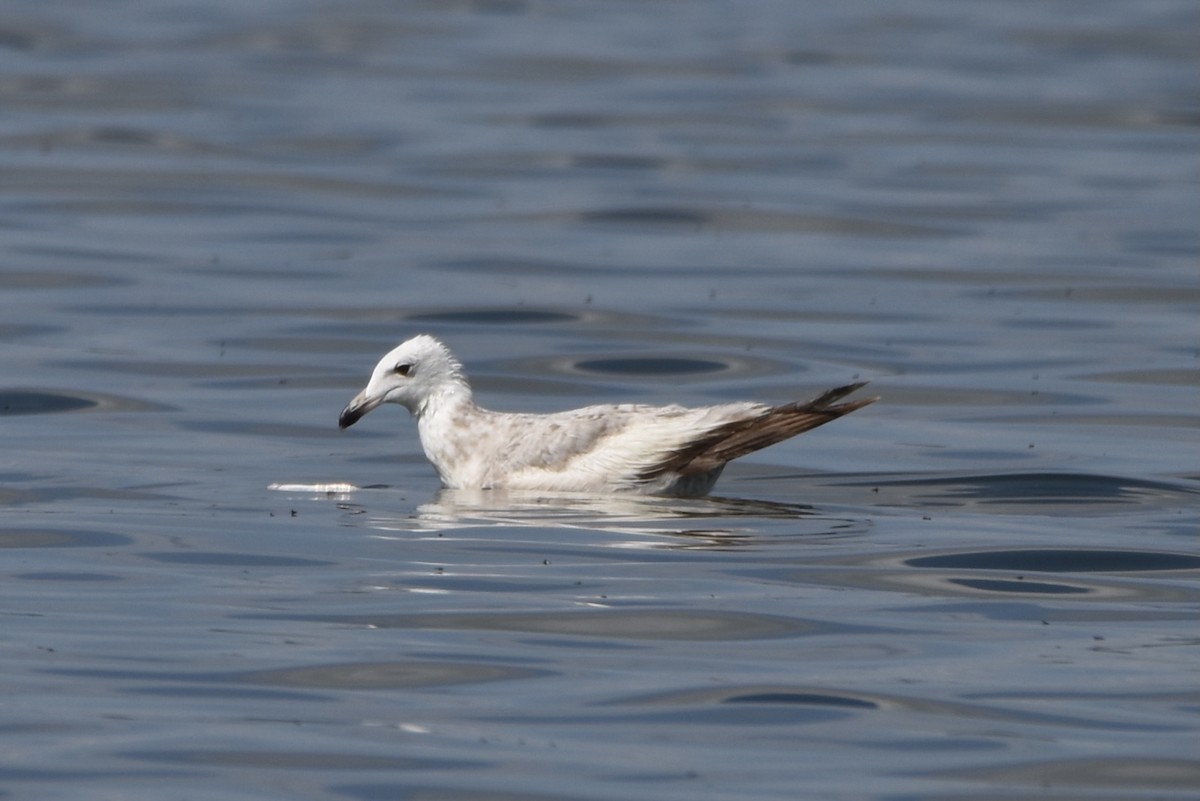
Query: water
<point x="216" y="217"/>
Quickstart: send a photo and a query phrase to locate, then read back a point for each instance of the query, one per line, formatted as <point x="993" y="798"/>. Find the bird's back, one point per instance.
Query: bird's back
<point x="593" y="449"/>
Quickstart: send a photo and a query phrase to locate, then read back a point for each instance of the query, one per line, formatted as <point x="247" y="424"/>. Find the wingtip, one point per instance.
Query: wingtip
<point x="852" y="406"/>
<point x="854" y="387"/>
<point x="827" y="399"/>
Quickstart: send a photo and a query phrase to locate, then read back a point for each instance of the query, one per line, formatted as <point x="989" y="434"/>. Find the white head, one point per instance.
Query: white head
<point x="411" y="374"/>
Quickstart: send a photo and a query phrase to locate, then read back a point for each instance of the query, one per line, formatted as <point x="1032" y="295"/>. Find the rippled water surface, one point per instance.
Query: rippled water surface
<point x="215" y="217"/>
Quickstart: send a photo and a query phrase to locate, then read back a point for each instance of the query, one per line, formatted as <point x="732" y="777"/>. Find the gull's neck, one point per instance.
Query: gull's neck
<point x="451" y="395"/>
<point x="447" y="423"/>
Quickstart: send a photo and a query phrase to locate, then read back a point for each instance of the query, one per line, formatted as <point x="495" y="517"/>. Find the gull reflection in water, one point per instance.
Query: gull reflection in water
<point x="655" y="522"/>
<point x="649" y="521"/>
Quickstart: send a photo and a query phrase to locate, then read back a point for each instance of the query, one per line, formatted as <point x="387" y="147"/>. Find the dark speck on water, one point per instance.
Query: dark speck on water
<point x="216" y="217"/>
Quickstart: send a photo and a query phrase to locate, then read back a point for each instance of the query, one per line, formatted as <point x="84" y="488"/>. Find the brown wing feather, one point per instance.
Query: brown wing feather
<point x="731" y="440"/>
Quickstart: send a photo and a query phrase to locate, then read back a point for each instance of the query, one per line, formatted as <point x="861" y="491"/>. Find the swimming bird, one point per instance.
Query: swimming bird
<point x="650" y="450"/>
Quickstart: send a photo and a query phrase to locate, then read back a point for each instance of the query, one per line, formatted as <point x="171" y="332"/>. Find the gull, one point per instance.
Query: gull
<point x="649" y="450"/>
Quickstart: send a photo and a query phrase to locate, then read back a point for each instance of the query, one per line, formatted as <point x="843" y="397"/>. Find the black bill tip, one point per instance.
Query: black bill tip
<point x="349" y="416"/>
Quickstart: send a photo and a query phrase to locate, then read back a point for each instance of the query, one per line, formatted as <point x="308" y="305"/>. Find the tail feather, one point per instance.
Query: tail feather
<point x="739" y="437"/>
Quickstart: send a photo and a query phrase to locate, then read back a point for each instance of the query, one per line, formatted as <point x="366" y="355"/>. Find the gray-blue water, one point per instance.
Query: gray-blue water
<point x="214" y="217"/>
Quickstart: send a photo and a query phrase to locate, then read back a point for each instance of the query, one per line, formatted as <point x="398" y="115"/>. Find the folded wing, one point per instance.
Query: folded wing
<point x="712" y="449"/>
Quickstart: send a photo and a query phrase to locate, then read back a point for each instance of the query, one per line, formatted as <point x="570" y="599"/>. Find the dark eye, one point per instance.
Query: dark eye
<point x="403" y="369"/>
